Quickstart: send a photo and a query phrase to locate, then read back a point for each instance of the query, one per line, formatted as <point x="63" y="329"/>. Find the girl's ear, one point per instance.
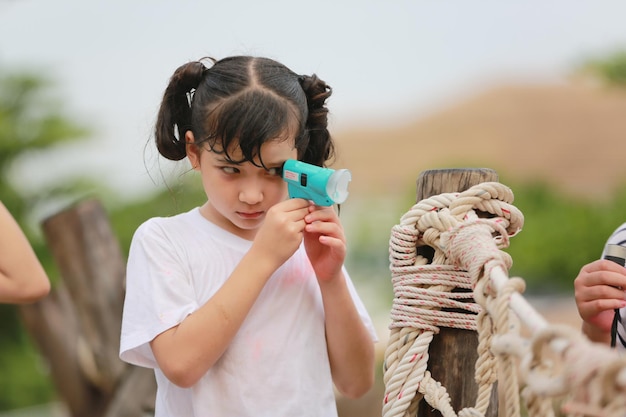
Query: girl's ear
<point x="193" y="150"/>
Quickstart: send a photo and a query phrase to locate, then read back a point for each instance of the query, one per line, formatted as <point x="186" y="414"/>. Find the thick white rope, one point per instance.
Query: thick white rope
<point x="466" y="231"/>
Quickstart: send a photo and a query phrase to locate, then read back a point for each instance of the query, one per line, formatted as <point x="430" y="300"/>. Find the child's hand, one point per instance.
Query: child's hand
<point x="324" y="241"/>
<point x="281" y="233"/>
<point x="599" y="289"/>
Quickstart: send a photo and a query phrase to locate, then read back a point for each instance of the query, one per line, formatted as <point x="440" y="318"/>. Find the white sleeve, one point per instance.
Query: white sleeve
<point x="619" y="236"/>
<point x="158" y="293"/>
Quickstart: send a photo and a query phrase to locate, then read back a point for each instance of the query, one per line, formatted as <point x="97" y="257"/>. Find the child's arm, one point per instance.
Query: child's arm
<point x="22" y="278"/>
<point x="599" y="290"/>
<point x="350" y="346"/>
<point x="186" y="352"/>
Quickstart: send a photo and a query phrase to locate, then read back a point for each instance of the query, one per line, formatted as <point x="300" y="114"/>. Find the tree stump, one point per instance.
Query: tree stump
<point x="77" y="327"/>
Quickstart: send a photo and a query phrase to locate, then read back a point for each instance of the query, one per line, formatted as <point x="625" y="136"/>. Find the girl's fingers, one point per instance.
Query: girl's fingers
<point x="602" y="292"/>
<point x="331" y="242"/>
<point x="295" y="204"/>
<point x="293" y="209"/>
<point x="318" y="213"/>
<point x="325" y="229"/>
<point x="604" y="272"/>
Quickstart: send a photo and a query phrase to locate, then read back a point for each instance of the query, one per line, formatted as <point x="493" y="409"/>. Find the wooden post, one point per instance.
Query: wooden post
<point x="77" y="328"/>
<point x="453" y="352"/>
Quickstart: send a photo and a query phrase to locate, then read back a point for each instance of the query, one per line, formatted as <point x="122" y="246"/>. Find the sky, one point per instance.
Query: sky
<point x="387" y="61"/>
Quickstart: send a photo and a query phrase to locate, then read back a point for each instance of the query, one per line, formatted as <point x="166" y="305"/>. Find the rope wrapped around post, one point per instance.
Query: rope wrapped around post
<point x="557" y="367"/>
<point x="424" y="287"/>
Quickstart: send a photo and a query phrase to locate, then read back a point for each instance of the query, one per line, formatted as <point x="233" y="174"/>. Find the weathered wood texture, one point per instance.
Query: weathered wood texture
<point x="452" y="352"/>
<point x="77" y="328"/>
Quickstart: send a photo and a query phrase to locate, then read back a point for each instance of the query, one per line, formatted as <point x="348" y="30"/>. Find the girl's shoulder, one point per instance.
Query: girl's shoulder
<point x="186" y="227"/>
<point x="166" y="225"/>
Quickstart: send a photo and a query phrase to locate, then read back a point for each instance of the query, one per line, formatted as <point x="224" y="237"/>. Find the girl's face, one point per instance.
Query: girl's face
<point x="239" y="195"/>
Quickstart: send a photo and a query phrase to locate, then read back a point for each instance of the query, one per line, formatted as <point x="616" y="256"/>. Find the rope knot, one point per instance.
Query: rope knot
<point x="473" y="247"/>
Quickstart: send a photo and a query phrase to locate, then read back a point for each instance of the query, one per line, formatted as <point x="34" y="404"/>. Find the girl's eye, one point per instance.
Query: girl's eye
<point x="278" y="171"/>
<point x="230" y="170"/>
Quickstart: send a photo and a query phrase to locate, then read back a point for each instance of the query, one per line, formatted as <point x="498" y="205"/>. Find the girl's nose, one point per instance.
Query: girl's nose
<point x="251" y="194"/>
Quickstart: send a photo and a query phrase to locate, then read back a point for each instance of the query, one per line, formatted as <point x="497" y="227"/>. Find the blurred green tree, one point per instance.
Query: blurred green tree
<point x="31" y="120"/>
<point x="561" y="233"/>
<point x="610" y="69"/>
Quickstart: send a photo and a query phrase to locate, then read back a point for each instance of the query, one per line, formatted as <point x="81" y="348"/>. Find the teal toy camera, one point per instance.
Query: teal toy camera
<point x="323" y="186"/>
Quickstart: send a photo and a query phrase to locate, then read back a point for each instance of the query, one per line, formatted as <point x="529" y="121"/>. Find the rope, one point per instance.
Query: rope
<point x="454" y="241"/>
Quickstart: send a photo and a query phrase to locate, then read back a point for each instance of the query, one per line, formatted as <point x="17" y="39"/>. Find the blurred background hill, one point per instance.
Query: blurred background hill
<point x="559" y="146"/>
<point x="571" y="135"/>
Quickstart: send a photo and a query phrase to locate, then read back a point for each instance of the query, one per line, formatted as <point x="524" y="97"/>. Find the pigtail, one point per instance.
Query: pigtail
<point x="174" y="117"/>
<point x="320" y="144"/>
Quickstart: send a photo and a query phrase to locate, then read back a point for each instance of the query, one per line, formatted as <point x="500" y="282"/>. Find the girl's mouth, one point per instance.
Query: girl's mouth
<point x="250" y="215"/>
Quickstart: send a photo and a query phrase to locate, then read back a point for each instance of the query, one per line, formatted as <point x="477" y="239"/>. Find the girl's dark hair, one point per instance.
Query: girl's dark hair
<point x="247" y="101"/>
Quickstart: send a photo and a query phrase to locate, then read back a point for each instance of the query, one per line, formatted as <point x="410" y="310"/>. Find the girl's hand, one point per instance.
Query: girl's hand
<point x="599" y="289"/>
<point x="281" y="233"/>
<point x="324" y="241"/>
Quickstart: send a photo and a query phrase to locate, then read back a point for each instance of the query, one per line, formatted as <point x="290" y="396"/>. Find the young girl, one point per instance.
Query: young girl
<point x="600" y="289"/>
<point x="242" y="306"/>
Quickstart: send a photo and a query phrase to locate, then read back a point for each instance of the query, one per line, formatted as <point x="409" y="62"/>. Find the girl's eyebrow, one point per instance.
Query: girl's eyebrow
<point x="273" y="164"/>
<point x="227" y="161"/>
<point x="276" y="163"/>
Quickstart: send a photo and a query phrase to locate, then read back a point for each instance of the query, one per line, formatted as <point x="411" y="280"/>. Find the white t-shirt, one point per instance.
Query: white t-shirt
<point x="277" y="364"/>
<point x="619" y="238"/>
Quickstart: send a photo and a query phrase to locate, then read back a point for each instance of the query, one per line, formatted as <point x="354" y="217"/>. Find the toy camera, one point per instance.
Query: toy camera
<point x="323" y="186"/>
